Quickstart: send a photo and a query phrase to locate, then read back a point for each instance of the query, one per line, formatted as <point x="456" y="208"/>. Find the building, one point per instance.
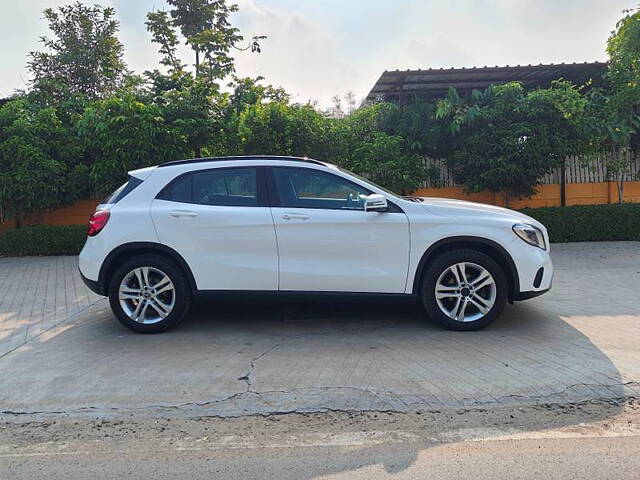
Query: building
<point x="398" y="86"/>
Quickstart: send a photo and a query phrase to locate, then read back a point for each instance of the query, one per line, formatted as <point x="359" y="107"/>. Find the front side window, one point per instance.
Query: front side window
<point x="223" y="187"/>
<point x="308" y="188"/>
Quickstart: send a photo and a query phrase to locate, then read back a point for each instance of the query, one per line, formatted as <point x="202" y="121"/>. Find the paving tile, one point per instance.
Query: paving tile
<point x="67" y="353"/>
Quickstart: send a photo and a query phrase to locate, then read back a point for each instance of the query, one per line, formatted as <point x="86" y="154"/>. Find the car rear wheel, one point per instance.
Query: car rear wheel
<point x="464" y="290"/>
<point x="149" y="294"/>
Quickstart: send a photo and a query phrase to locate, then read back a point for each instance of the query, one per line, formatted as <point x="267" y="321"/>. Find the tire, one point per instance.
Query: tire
<point x="479" y="306"/>
<point x="128" y="300"/>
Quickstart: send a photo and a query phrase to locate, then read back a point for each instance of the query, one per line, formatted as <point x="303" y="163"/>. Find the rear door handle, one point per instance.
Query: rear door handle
<point x="183" y="213"/>
<point x="295" y="216"/>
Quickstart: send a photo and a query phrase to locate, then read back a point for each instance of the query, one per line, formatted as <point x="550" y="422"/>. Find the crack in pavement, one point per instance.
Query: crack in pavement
<point x="540" y="400"/>
<point x="247" y="378"/>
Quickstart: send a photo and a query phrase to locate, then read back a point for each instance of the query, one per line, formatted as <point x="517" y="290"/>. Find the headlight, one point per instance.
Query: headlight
<point x="530" y="234"/>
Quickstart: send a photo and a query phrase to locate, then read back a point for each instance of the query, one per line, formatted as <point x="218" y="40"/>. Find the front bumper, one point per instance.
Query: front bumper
<point x="527" y="295"/>
<point x="534" y="269"/>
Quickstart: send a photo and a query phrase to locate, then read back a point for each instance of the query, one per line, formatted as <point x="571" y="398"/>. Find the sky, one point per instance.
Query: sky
<point x="320" y="48"/>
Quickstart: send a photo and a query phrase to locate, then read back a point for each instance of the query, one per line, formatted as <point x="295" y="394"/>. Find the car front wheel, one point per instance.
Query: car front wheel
<point x="464" y="290"/>
<point x="149" y="294"/>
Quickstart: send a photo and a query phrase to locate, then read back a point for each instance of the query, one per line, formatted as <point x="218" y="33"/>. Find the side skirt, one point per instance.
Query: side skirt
<point x="305" y="295"/>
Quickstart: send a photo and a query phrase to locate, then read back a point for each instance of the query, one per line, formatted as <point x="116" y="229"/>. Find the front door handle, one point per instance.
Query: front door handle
<point x="295" y="216"/>
<point x="183" y="213"/>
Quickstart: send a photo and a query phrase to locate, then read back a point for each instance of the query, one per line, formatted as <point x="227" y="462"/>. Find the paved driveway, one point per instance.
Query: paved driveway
<point x="63" y="353"/>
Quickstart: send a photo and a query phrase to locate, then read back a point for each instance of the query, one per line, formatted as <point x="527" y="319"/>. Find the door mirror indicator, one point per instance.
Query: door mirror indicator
<point x="375" y="203"/>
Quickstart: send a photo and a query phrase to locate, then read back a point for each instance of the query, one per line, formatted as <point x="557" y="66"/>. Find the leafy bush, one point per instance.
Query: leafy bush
<point x="43" y="240"/>
<point x="590" y="223"/>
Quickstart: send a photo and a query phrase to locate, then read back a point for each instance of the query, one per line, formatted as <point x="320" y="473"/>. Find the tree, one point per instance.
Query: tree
<point x="618" y="107"/>
<point x="369" y="143"/>
<point x="194" y="112"/>
<point x="280" y="128"/>
<point x="246" y="92"/>
<point x="385" y="160"/>
<point x="206" y="28"/>
<point x="121" y="134"/>
<point x="505" y="139"/>
<point x="338" y="110"/>
<point x="34" y="147"/>
<point x="84" y="56"/>
<point x="249" y="91"/>
<point x="163" y="33"/>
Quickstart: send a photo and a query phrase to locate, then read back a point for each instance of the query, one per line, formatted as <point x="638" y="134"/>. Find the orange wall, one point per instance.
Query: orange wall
<point x="547" y="195"/>
<point x="75" y="214"/>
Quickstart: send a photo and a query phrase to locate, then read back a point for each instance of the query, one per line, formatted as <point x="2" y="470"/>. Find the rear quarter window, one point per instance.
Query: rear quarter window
<point x="124" y="190"/>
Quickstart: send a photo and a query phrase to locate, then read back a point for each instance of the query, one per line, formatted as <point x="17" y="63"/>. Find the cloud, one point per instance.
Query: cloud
<point x="299" y="54"/>
<point x="320" y="48"/>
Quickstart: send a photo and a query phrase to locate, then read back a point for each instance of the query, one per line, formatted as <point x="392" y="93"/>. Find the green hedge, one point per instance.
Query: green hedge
<point x="43" y="240"/>
<point x="590" y="223"/>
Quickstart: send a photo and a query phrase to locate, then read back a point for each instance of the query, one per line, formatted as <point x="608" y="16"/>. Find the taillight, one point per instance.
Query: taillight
<point x="97" y="222"/>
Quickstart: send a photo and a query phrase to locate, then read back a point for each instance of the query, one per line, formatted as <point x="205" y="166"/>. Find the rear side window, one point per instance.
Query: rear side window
<point x="178" y="190"/>
<point x="123" y="190"/>
<point x="221" y="186"/>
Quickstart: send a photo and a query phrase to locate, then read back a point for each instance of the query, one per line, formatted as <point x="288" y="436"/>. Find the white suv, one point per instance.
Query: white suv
<point x="284" y="224"/>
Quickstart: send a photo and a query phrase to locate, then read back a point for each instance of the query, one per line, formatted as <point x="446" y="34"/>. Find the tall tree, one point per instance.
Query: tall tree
<point x="82" y="57"/>
<point x="164" y="34"/>
<point x="206" y="28"/>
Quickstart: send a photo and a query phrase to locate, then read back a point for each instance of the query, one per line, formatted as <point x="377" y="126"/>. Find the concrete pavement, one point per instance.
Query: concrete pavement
<point x="37" y="294"/>
<point x="66" y="355"/>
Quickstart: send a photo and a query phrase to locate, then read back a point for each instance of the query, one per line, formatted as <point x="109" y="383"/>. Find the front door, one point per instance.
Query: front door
<point x="327" y="242"/>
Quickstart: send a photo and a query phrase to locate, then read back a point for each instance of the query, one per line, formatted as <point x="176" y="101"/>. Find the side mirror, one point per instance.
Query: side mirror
<point x="375" y="203"/>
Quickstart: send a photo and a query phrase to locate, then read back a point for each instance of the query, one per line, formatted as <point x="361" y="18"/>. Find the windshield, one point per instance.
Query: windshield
<point x="369" y="182"/>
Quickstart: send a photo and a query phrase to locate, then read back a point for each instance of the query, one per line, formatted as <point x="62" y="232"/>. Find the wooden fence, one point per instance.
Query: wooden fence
<point x="577" y="170"/>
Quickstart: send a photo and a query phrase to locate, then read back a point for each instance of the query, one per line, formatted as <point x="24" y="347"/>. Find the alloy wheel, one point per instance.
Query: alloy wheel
<point x="147" y="295"/>
<point x="465" y="292"/>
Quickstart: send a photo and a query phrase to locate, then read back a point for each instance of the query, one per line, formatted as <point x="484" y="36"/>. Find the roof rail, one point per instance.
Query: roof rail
<point x="241" y="157"/>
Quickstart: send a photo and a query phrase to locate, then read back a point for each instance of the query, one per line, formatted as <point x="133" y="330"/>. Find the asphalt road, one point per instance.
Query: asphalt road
<point x="583" y="459"/>
<point x="447" y="444"/>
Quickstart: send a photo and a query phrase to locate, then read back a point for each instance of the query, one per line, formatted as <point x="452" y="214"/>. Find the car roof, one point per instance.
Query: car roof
<point x="243" y="157"/>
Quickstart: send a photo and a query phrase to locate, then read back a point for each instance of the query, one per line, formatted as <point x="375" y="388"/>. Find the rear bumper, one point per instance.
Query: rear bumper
<point x="94" y="286"/>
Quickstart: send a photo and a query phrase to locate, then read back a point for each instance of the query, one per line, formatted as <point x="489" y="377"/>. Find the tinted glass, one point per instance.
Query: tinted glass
<point x="227" y="187"/>
<point x="306" y="188"/>
<point x="179" y="190"/>
<point x="123" y="190"/>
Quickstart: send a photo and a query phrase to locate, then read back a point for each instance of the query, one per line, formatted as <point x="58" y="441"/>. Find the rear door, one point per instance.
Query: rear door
<point x="327" y="242"/>
<point x="219" y="221"/>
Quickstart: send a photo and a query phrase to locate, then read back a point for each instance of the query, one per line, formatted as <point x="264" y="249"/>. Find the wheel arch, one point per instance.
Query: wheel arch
<point x="126" y="251"/>
<point x="484" y="245"/>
